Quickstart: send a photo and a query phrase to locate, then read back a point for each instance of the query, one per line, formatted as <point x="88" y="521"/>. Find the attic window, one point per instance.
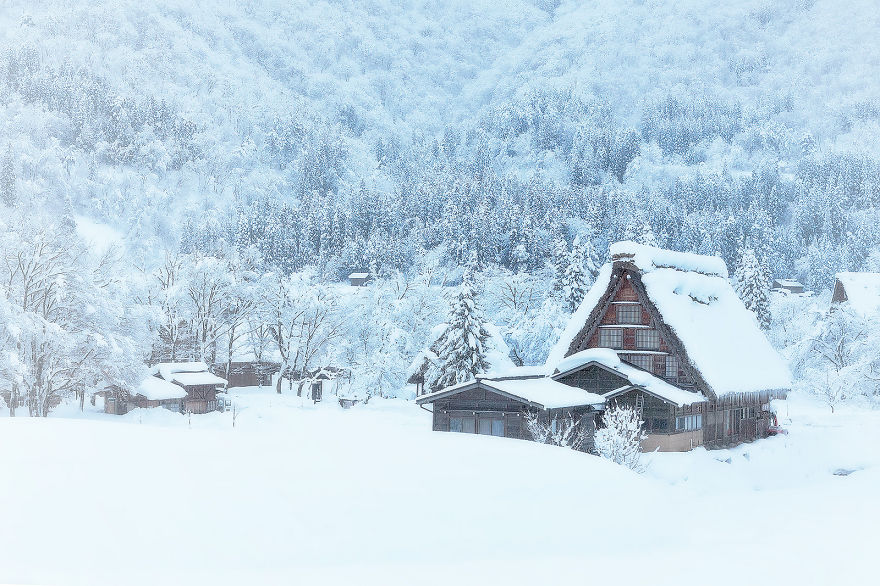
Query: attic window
<point x="611" y="338"/>
<point x="629" y="314"/>
<point x="647" y="339"/>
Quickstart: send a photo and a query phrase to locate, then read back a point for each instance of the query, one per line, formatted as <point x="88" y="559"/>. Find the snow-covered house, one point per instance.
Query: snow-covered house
<point x="359" y="279"/>
<point x="858" y="291"/>
<point x="156" y="392"/>
<point x="659" y="330"/>
<point x="788" y="286"/>
<point x="689" y="355"/>
<point x="177" y="386"/>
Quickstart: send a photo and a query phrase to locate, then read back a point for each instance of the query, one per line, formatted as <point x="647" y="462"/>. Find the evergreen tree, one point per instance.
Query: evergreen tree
<point x="575" y="280"/>
<point x="560" y="262"/>
<point x="646" y="236"/>
<point x="7" y="179"/>
<point x="592" y="263"/>
<point x="461" y="349"/>
<point x="753" y="287"/>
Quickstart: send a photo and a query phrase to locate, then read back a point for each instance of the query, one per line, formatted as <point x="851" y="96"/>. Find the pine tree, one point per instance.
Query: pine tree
<point x="461" y="349"/>
<point x="7" y="179"/>
<point x="560" y="262"/>
<point x="753" y="286"/>
<point x="646" y="236"/>
<point x="592" y="263"/>
<point x="575" y="281"/>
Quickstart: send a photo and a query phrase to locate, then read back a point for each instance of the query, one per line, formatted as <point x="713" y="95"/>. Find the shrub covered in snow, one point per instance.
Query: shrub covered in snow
<point x="621" y="437"/>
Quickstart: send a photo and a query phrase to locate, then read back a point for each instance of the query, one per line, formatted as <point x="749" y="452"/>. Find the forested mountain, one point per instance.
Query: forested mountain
<point x="353" y="134"/>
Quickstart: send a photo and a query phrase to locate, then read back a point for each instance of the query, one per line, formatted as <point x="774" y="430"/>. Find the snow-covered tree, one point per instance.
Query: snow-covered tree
<point x="620" y="438"/>
<point x="461" y="347"/>
<point x="575" y="281"/>
<point x="753" y="287"/>
<point x="8" y="194"/>
<point x="563" y="431"/>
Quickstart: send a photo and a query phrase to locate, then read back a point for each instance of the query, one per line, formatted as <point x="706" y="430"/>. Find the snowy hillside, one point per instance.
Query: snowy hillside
<point x="193" y="124"/>
<point x="383" y="500"/>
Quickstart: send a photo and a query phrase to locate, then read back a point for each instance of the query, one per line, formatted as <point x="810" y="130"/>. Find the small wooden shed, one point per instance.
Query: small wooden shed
<point x="789" y="285"/>
<point x="359" y="279"/>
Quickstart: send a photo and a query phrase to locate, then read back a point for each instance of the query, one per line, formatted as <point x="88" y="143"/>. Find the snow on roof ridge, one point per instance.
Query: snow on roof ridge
<point x="647" y="258"/>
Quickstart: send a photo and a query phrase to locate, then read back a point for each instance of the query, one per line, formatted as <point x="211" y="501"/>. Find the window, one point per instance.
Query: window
<point x="610" y="338"/>
<point x="659" y="424"/>
<point x="645" y="361"/>
<point x="462" y="424"/>
<point x="630" y="313"/>
<point x="647" y="339"/>
<point x="672" y="368"/>
<point x="688" y="422"/>
<point x="492" y="427"/>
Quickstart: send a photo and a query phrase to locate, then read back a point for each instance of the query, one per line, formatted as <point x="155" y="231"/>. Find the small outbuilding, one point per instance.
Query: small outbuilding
<point x="359" y="279"/>
<point x="200" y="384"/>
<point x="252" y="373"/>
<point x="788" y="285"/>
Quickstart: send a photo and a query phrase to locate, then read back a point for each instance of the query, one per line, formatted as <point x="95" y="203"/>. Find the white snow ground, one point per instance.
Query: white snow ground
<point x="304" y="494"/>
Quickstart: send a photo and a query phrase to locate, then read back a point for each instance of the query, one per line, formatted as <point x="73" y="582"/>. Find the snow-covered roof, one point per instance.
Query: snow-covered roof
<point x="154" y="388"/>
<point x="189" y="379"/>
<point x="187" y="373"/>
<point x="697" y="302"/>
<point x="721" y="337"/>
<point x="788" y="283"/>
<point x="540" y="391"/>
<point x="545" y="391"/>
<point x="359" y="275"/>
<point x="648" y="258"/>
<point x="636" y="376"/>
<point x="862" y="291"/>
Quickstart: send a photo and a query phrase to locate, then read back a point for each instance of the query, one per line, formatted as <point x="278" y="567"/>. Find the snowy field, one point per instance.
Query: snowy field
<point x="297" y="493"/>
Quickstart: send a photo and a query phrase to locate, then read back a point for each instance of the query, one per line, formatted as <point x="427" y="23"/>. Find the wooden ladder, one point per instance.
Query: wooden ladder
<point x="640" y="403"/>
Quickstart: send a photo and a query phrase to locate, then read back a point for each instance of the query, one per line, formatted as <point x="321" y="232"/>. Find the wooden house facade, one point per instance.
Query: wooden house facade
<point x="702" y="373"/>
<point x="247" y="373"/>
<point x="500" y="407"/>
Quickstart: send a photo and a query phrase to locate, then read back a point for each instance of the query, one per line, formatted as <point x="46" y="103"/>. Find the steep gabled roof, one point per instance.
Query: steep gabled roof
<point x="696" y="309"/>
<point x="860" y="290"/>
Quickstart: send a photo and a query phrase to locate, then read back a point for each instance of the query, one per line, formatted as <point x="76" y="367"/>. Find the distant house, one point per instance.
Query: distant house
<point x="252" y="373"/>
<point x="179" y="386"/>
<point x="359" y="279"/>
<point x="665" y="333"/>
<point x="859" y="291"/>
<point x="788" y="285"/>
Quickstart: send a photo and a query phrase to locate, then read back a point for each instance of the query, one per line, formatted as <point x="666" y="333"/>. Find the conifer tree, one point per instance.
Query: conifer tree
<point x="461" y="349"/>
<point x="575" y="281"/>
<point x="753" y="286"/>
<point x="560" y="262"/>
